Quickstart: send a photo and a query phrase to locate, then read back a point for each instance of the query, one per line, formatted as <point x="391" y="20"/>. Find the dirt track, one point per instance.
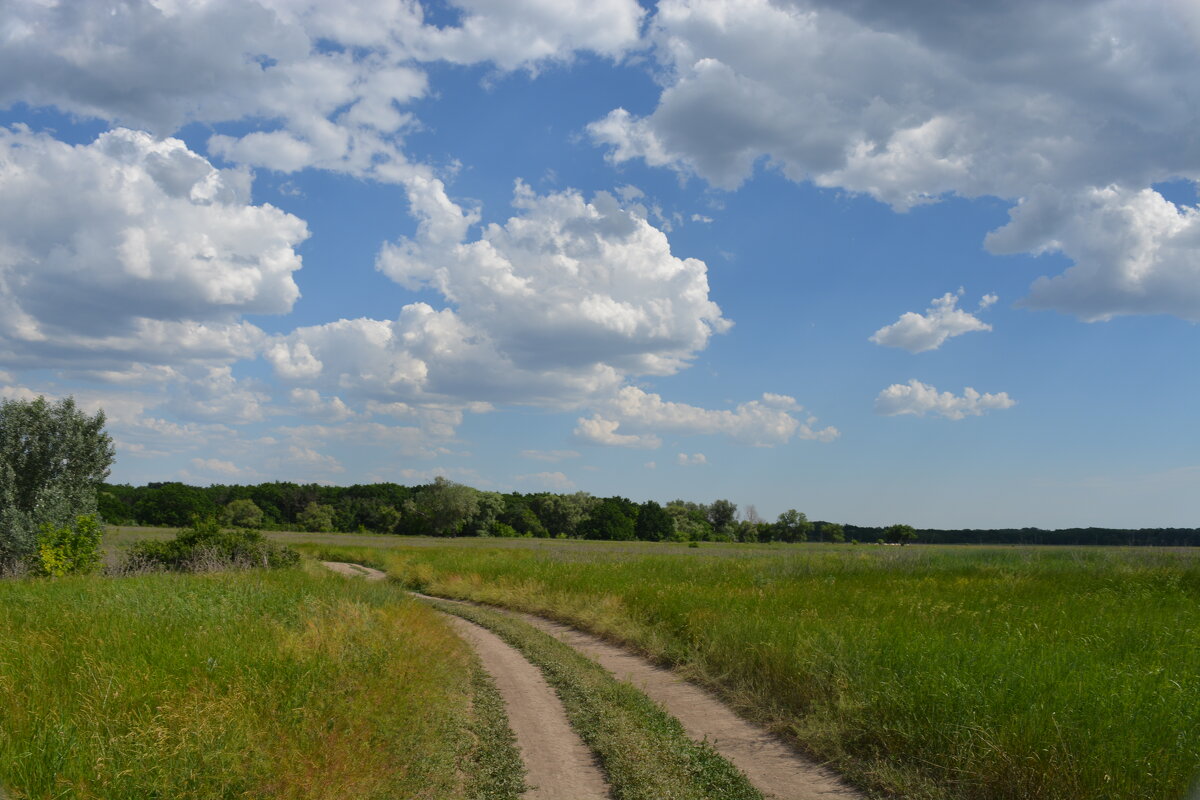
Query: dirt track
<point x="558" y="764"/>
<point x="776" y="769"/>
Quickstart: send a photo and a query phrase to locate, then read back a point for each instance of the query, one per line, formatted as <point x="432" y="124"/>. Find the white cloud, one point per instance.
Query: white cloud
<point x="764" y="422"/>
<point x="133" y="250"/>
<point x="548" y="480"/>
<point x="552" y="308"/>
<point x="650" y="465"/>
<point x="1134" y="252"/>
<point x="910" y="102"/>
<point x="598" y="430"/>
<point x="329" y="82"/>
<point x="921" y="398"/>
<point x="550" y="455"/>
<point x="694" y="460"/>
<point x="310" y="403"/>
<point x="918" y="333"/>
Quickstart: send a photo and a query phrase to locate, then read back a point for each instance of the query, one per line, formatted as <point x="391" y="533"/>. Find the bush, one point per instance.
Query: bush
<point x="69" y="549"/>
<point x="207" y="547"/>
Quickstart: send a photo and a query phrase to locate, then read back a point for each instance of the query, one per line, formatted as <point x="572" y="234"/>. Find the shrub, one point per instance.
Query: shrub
<point x="207" y="547"/>
<point x="69" y="549"/>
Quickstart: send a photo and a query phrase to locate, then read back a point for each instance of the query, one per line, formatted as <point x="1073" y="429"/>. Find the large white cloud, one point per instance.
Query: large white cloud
<point x="329" y="80"/>
<point x="133" y="249"/>
<point x="919" y="399"/>
<point x="553" y="307"/>
<point x="918" y="333"/>
<point x="910" y="102"/>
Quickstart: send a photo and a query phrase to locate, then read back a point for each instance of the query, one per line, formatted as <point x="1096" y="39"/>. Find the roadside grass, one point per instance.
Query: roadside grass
<point x="947" y="673"/>
<point x="645" y="752"/>
<point x="281" y="684"/>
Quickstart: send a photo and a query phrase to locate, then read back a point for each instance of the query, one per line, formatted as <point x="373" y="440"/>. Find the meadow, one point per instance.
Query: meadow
<point x="281" y="684"/>
<point x="941" y="673"/>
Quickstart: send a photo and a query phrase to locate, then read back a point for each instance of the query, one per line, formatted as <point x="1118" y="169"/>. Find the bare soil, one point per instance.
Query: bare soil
<point x="559" y="766"/>
<point x="774" y="767"/>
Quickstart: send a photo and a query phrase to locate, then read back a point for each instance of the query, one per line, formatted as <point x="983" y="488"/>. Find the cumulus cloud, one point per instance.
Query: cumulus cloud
<point x="772" y="420"/>
<point x="132" y="249"/>
<point x="909" y="103"/>
<point x="920" y="399"/>
<point x="917" y="333"/>
<point x="694" y="460"/>
<point x="1134" y="251"/>
<point x="330" y="83"/>
<point x="598" y="430"/>
<point x="553" y="307"/>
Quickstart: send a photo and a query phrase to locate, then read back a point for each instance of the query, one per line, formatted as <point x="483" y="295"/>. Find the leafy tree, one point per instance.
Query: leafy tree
<point x="316" y="518"/>
<point x="654" y="524"/>
<point x="442" y="508"/>
<point x="792" y="526"/>
<point x="691" y="521"/>
<point x="610" y="521"/>
<point x="721" y="515"/>
<point x="901" y="534"/>
<point x="243" y="513"/>
<point x="53" y="458"/>
<point x="561" y="514"/>
<point x="173" y="504"/>
<point x="836" y="532"/>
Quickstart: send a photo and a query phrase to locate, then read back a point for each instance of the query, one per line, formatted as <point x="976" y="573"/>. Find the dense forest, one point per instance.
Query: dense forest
<point x="445" y="508"/>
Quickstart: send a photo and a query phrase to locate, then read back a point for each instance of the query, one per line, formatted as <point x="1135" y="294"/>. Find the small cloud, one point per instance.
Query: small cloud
<point x="701" y="218"/>
<point x="220" y="467"/>
<point x="599" y="430"/>
<point x="650" y="465"/>
<point x="920" y="398"/>
<point x="694" y="460"/>
<point x="918" y="333"/>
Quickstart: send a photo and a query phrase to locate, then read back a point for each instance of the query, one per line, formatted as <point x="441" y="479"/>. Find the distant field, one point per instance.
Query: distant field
<point x="286" y="684"/>
<point x="997" y="673"/>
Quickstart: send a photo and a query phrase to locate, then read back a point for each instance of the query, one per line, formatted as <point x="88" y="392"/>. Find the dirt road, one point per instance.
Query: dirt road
<point x="558" y="764"/>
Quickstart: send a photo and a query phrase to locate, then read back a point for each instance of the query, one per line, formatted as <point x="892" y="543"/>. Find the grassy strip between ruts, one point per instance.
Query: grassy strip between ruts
<point x="287" y="684"/>
<point x="928" y="673"/>
<point x="644" y="751"/>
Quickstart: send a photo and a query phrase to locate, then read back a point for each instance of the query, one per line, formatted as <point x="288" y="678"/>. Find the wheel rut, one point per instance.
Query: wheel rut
<point x="559" y="766"/>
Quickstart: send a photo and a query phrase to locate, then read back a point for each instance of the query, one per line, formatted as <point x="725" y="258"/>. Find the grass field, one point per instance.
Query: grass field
<point x="288" y="684"/>
<point x="957" y="672"/>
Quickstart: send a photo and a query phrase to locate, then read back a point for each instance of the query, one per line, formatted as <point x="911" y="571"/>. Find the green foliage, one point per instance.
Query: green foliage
<point x="253" y="686"/>
<point x="654" y="524"/>
<point x="939" y="673"/>
<point x="69" y="549"/>
<point x="52" y="459"/>
<point x="610" y="521"/>
<point x="243" y="513"/>
<point x="316" y="518"/>
<point x="901" y="534"/>
<point x="792" y="526"/>
<point x="207" y="547"/>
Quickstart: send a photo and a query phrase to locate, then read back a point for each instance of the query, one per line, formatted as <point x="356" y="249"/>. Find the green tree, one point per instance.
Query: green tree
<point x="53" y="458"/>
<point x="792" y="526"/>
<point x="316" y="518"/>
<point x="609" y="521"/>
<point x="243" y="513"/>
<point x="443" y="508"/>
<point x="721" y="515"/>
<point x="654" y="524"/>
<point x="900" y="534"/>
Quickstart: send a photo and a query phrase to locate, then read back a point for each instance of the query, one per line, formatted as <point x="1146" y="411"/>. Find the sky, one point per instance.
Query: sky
<point x="934" y="263"/>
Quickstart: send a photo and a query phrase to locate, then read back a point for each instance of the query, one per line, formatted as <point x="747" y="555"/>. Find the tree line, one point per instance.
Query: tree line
<point x="446" y="508"/>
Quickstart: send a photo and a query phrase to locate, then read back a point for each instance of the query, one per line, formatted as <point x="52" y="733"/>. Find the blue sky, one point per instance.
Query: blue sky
<point x="934" y="263"/>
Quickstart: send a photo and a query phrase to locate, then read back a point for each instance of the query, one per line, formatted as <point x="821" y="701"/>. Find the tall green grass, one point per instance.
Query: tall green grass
<point x="966" y="673"/>
<point x="252" y="684"/>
